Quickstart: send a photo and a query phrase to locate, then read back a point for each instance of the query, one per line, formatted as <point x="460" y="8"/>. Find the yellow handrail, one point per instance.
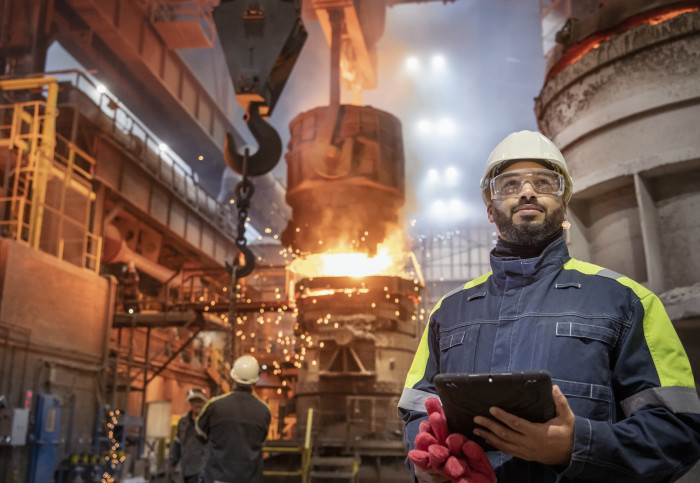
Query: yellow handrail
<point x="304" y="450"/>
<point x="39" y="159"/>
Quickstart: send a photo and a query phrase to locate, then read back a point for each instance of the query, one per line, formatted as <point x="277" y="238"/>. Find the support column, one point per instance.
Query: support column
<point x="648" y="217"/>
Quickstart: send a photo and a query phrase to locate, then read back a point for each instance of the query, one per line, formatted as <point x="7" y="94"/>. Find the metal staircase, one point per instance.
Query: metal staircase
<point x="324" y="468"/>
<point x="303" y="450"/>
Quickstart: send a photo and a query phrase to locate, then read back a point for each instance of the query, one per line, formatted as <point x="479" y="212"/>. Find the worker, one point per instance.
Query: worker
<point x="623" y="389"/>
<point x="188" y="448"/>
<point x="130" y="288"/>
<point x="235" y="426"/>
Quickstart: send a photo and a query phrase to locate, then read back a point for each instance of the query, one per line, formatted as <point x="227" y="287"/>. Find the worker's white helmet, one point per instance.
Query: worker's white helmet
<point x="197" y="393"/>
<point x="245" y="370"/>
<point x="525" y="145"/>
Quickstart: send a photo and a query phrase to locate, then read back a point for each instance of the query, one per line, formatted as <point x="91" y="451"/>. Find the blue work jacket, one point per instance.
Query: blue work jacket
<point x="607" y="342"/>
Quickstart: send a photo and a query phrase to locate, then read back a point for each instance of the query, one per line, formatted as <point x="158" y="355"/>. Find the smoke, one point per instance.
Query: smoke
<point x="493" y="68"/>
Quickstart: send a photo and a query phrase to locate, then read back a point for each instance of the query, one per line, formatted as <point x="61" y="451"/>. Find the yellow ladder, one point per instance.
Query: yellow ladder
<point x="304" y="450"/>
<point x="34" y="131"/>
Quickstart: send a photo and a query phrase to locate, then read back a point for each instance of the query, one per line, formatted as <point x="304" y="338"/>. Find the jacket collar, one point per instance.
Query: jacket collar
<point x="522" y="271"/>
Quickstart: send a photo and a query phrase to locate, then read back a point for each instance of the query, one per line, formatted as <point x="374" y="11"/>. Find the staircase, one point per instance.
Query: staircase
<point x="324" y="468"/>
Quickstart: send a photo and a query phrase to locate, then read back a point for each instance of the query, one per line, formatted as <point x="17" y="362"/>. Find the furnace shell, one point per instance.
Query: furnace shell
<point x="625" y="116"/>
<point x="345" y="179"/>
<point x="364" y="334"/>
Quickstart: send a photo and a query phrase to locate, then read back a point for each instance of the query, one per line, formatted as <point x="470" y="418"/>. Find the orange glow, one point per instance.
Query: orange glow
<point x="576" y="52"/>
<point x="347" y="264"/>
<point x="662" y="17"/>
<point x="390" y="259"/>
<point x="322" y="292"/>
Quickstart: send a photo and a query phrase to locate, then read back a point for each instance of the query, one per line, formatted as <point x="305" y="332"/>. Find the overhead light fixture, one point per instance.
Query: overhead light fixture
<point x="446" y="126"/>
<point x="412" y="63"/>
<point x="438" y="62"/>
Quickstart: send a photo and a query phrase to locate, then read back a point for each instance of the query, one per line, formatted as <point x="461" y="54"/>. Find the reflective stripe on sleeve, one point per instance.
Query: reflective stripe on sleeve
<point x="200" y="432"/>
<point x="414" y="400"/>
<point x="667" y="352"/>
<point x="420" y="360"/>
<point x="607" y="273"/>
<point x="417" y="370"/>
<point x="677" y="399"/>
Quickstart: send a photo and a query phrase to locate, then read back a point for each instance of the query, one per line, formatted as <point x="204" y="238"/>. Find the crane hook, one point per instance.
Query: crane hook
<point x="244" y="267"/>
<point x="269" y="145"/>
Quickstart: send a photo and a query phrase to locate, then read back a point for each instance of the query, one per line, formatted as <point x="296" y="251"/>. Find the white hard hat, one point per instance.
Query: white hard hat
<point x="245" y="370"/>
<point x="525" y="145"/>
<point x="197" y="393"/>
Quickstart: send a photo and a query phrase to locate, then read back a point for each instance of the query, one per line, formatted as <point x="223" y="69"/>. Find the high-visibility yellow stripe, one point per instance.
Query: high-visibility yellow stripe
<point x="477" y="281"/>
<point x="670" y="359"/>
<point x="211" y="400"/>
<point x="420" y="360"/>
<point x="669" y="356"/>
<point x="260" y="399"/>
<point x="583" y="267"/>
<point x="415" y="373"/>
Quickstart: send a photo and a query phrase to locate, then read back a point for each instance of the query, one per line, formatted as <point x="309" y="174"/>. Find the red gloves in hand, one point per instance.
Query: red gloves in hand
<point x="453" y="456"/>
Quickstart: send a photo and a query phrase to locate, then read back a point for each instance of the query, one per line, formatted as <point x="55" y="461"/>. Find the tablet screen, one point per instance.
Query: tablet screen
<point x="528" y="395"/>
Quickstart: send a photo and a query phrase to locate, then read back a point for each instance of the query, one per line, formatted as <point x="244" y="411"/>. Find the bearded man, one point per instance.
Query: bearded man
<point x="623" y="389"/>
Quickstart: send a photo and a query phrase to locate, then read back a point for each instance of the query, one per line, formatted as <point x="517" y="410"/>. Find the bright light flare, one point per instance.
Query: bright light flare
<point x="451" y="176"/>
<point x="446" y="126"/>
<point x="425" y="126"/>
<point x="438" y="62"/>
<point x="438" y="207"/>
<point x="412" y="64"/>
<point x="442" y="127"/>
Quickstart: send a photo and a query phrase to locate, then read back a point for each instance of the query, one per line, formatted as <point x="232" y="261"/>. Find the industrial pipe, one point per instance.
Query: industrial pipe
<point x="115" y="250"/>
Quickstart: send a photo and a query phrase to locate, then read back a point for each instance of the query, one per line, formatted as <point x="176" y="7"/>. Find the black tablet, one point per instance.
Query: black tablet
<point x="528" y="395"/>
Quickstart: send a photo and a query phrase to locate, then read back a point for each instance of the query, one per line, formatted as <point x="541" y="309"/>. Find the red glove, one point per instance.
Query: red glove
<point x="453" y="456"/>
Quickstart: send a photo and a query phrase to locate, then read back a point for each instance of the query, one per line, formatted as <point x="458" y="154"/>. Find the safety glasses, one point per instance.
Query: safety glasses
<point x="543" y="181"/>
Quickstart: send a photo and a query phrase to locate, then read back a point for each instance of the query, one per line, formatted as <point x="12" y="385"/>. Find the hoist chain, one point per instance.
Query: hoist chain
<point x="244" y="193"/>
<point x="230" y="344"/>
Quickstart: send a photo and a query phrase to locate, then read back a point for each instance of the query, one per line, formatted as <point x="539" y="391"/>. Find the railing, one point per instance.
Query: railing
<point x="30" y="137"/>
<point x="14" y="227"/>
<point x="46" y="162"/>
<point x="304" y="450"/>
<point x="153" y="153"/>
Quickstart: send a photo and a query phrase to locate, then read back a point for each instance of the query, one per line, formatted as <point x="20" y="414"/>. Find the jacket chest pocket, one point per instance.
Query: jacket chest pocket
<point x="585" y="332"/>
<point x="576" y="348"/>
<point x="457" y="349"/>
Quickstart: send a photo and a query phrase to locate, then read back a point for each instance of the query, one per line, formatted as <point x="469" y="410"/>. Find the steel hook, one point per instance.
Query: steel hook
<point x="248" y="266"/>
<point x="269" y="146"/>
